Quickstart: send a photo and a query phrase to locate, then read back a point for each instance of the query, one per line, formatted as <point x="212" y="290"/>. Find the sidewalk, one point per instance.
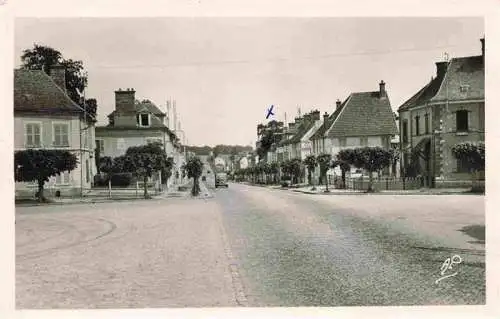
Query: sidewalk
<point x="100" y="196"/>
<point x="320" y="190"/>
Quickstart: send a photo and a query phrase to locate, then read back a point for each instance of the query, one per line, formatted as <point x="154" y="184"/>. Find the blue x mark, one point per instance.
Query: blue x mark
<point x="270" y="112"/>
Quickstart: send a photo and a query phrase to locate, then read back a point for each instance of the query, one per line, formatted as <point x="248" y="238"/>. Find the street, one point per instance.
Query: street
<point x="251" y="246"/>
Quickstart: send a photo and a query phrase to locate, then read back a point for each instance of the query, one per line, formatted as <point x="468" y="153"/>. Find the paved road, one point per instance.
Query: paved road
<point x="250" y="246"/>
<point x="312" y="250"/>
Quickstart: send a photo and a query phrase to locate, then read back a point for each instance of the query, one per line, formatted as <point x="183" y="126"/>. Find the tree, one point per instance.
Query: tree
<point x="324" y="161"/>
<point x="40" y="58"/>
<point x="166" y="172"/>
<point x="311" y="164"/>
<point x="295" y="169"/>
<point x="472" y="155"/>
<point x="344" y="159"/>
<point x="371" y="159"/>
<point x="44" y="58"/>
<point x="194" y="169"/>
<point x="39" y="165"/>
<point x="91" y="107"/>
<point x="344" y="167"/>
<point x="145" y="160"/>
<point x="274" y="169"/>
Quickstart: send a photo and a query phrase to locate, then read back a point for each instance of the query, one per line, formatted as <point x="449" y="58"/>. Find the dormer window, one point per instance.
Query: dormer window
<point x="143" y="120"/>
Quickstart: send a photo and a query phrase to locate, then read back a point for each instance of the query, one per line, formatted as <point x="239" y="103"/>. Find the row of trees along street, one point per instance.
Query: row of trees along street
<point x="370" y="159"/>
<point x="140" y="161"/>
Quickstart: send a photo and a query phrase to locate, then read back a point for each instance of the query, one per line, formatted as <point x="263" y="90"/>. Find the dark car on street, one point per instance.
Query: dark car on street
<point x="221" y="180"/>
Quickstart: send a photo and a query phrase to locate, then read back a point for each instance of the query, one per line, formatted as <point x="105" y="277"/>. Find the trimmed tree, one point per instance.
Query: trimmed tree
<point x="194" y="169"/>
<point x="275" y="168"/>
<point x="324" y="162"/>
<point x="295" y="169"/>
<point x="145" y="160"/>
<point x="473" y="155"/>
<point x="40" y="165"/>
<point x="344" y="168"/>
<point x="311" y="164"/>
<point x="372" y="159"/>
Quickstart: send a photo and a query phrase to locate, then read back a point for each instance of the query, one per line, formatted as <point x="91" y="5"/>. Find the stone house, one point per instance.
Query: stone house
<point x="446" y="111"/>
<point x="45" y="117"/>
<point x="135" y="123"/>
<point x="363" y="119"/>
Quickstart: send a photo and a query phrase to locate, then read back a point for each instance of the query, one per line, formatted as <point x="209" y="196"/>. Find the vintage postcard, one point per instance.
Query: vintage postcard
<point x="249" y="162"/>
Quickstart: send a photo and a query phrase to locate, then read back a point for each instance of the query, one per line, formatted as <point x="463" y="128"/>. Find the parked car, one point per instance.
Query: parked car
<point x="221" y="180"/>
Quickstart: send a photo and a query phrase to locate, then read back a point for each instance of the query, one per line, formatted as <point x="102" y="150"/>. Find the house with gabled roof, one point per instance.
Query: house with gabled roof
<point x="135" y="123"/>
<point x="45" y="117"/>
<point x="284" y="147"/>
<point x="300" y="141"/>
<point x="448" y="110"/>
<point x="363" y="119"/>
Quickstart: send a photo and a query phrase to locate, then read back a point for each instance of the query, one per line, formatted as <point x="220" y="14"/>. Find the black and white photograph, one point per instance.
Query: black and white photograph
<point x="249" y="162"/>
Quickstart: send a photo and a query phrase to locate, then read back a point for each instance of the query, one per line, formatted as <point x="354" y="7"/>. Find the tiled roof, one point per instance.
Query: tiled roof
<point x="35" y="91"/>
<point x="285" y="140"/>
<point x="466" y="72"/>
<point x="320" y="132"/>
<point x="304" y="127"/>
<point x="424" y="95"/>
<point x="149" y="107"/>
<point x="463" y="80"/>
<point x="364" y="114"/>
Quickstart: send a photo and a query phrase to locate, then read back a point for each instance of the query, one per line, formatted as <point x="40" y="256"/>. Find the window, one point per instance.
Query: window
<point x="426" y="119"/>
<point x="100" y="145"/>
<point x="63" y="178"/>
<point x="33" y="135"/>
<point x="143" y="119"/>
<point x="405" y="131"/>
<point x="462" y="121"/>
<point x="61" y="134"/>
<point x="464" y="88"/>
<point x="417" y="125"/>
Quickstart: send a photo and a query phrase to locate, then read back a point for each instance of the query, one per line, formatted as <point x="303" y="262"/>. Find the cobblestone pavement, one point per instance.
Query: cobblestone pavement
<point x="138" y="254"/>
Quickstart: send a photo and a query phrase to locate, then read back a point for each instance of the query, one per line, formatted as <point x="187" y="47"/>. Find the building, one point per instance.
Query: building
<point x="45" y="117"/>
<point x="301" y="145"/>
<point x="135" y="123"/>
<point x="446" y="111"/>
<point x="363" y="119"/>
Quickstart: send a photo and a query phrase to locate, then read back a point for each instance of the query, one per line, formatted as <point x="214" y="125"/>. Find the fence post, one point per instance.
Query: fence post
<point x="136" y="189"/>
<point x="387" y="183"/>
<point x="404" y="184"/>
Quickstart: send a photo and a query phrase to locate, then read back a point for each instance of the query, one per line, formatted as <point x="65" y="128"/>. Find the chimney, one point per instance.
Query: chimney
<point x="325" y="116"/>
<point x="58" y="75"/>
<point x="125" y="101"/>
<point x="338" y="104"/>
<point x="383" y="93"/>
<point x="482" y="47"/>
<point x="316" y="115"/>
<point x="441" y="68"/>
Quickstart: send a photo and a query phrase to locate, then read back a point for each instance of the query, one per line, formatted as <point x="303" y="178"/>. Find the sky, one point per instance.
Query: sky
<point x="224" y="73"/>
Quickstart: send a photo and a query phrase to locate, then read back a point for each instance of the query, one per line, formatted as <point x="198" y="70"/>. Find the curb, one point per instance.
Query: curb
<point x="388" y="193"/>
<point x="96" y="201"/>
<point x="465" y="192"/>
